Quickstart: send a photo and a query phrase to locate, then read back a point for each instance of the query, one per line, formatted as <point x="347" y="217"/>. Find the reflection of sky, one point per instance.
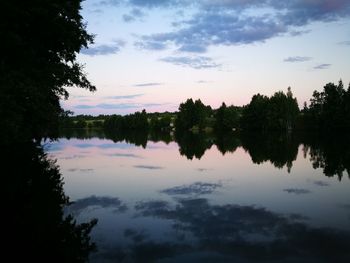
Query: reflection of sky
<point x="131" y="190"/>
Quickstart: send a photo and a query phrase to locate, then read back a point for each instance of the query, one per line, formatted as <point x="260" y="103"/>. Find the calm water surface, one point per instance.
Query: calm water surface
<point x="246" y="203"/>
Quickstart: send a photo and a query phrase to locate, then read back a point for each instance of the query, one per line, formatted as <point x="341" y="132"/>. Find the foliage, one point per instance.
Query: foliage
<point x="329" y="109"/>
<point x="136" y="121"/>
<point x="37" y="227"/>
<point x="41" y="39"/>
<point x="191" y="114"/>
<point x="226" y="118"/>
<point x="278" y="112"/>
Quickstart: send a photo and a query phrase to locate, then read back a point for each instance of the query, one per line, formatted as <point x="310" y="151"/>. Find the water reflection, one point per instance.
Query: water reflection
<point x="35" y="226"/>
<point x="331" y="153"/>
<point x="205" y="232"/>
<point x="211" y="197"/>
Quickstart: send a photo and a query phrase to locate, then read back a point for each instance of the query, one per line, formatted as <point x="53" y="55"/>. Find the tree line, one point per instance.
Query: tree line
<point x="329" y="110"/>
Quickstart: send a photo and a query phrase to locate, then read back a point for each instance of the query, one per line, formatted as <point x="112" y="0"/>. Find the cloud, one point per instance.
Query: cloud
<point x="295" y="33"/>
<point x="155" y="3"/>
<point x="345" y="43"/>
<point x="105" y="49"/>
<point x="150" y="45"/>
<point x="107" y="106"/>
<point x="198" y="62"/>
<point x="135" y="14"/>
<point x="128" y="18"/>
<point x="223" y="22"/>
<point x="131" y="96"/>
<point x="117" y="106"/>
<point x="147" y="84"/>
<point x="322" y="66"/>
<point x="297" y="59"/>
<point x="203" y="81"/>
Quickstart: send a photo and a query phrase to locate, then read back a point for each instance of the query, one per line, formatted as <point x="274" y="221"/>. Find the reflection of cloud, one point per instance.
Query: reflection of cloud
<point x="118" y="145"/>
<point x="197" y="188"/>
<point x="137" y="237"/>
<point x="297" y="191"/>
<point x="203" y="169"/>
<point x="150" y="167"/>
<point x="80" y="170"/>
<point x="345" y="206"/>
<point x="321" y="183"/>
<point x="96" y="201"/>
<point x="75" y="156"/>
<point x="234" y="233"/>
<point x="129" y="155"/>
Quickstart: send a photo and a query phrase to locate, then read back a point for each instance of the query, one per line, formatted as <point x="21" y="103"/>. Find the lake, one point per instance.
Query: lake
<point x="197" y="198"/>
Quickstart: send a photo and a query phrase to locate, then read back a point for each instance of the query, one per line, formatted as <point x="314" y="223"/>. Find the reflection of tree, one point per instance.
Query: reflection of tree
<point x="83" y="133"/>
<point x="139" y="138"/>
<point x="280" y="149"/>
<point x="37" y="226"/>
<point x="331" y="153"/>
<point x="163" y="136"/>
<point x="193" y="144"/>
<point x="227" y="142"/>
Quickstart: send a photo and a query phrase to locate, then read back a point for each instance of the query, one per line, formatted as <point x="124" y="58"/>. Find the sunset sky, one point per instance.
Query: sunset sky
<point x="154" y="54"/>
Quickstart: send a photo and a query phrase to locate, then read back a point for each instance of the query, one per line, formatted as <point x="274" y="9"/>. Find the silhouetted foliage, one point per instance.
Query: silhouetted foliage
<point x="192" y="114"/>
<point x="40" y="40"/>
<point x="226" y="118"/>
<point x="278" y="112"/>
<point x="35" y="226"/>
<point x="136" y="121"/>
<point x="329" y="109"/>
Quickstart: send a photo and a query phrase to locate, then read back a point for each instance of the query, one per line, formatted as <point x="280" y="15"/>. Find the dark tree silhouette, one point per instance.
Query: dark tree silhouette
<point x="329" y="109"/>
<point x="278" y="112"/>
<point x="40" y="40"/>
<point x="34" y="224"/>
<point x="192" y="113"/>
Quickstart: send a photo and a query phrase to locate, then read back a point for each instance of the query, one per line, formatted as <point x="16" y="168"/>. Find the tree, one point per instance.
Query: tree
<point x="41" y="40"/>
<point x="278" y="112"/>
<point x="192" y="114"/>
<point x="226" y="118"/>
<point x="329" y="109"/>
<point x="254" y="115"/>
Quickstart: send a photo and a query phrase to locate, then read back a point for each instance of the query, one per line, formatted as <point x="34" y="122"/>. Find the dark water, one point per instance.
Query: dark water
<point x="226" y="198"/>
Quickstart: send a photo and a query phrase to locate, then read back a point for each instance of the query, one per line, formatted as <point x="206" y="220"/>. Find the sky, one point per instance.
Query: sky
<point x="154" y="54"/>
